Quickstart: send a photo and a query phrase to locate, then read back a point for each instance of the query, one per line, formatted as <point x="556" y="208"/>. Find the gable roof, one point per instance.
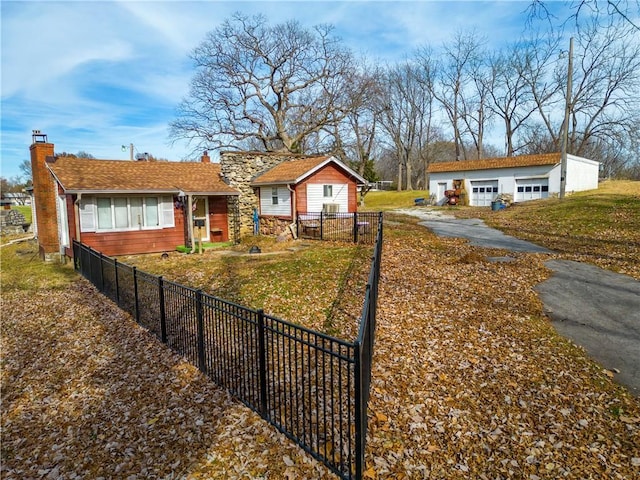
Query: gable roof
<point x="294" y="171"/>
<point x="501" y="162"/>
<point x="81" y="175"/>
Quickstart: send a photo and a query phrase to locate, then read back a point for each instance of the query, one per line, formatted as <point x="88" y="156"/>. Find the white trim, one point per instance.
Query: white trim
<point x="63" y="222"/>
<point x="89" y="213"/>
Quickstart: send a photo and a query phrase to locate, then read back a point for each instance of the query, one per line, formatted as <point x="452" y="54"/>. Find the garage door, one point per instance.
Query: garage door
<point x="483" y="193"/>
<point x="531" y="189"/>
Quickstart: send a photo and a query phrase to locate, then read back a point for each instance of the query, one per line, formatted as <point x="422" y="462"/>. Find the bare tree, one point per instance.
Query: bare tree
<point x="280" y="84"/>
<point x="454" y="77"/>
<point x="625" y="10"/>
<point x="605" y="100"/>
<point x="406" y="114"/>
<point x="355" y="138"/>
<point x="510" y="100"/>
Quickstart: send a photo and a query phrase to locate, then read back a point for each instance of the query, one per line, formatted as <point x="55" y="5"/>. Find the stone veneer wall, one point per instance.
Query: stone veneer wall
<point x="239" y="169"/>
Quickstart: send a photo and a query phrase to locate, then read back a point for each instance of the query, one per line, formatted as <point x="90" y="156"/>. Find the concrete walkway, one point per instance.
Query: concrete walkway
<point x="595" y="308"/>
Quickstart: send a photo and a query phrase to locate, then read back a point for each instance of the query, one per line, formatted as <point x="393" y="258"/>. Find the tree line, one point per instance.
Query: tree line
<point x="284" y="87"/>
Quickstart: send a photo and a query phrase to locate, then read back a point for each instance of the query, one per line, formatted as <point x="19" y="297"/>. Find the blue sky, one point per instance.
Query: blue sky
<point x="95" y="76"/>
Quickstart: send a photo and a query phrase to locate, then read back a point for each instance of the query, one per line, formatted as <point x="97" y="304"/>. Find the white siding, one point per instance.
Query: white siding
<point x="316" y="198"/>
<point x="582" y="174"/>
<point x="282" y="208"/>
<point x="506" y="178"/>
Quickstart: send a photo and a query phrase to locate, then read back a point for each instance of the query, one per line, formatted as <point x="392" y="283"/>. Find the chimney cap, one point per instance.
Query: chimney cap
<point x="38" y="137"/>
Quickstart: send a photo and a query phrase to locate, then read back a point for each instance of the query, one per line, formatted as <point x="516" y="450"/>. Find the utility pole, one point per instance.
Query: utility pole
<point x="565" y="125"/>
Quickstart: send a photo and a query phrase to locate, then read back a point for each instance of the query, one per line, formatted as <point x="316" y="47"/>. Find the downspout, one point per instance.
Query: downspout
<point x="293" y="226"/>
<point x="190" y="220"/>
<point x="293" y="203"/>
<point x="76" y="215"/>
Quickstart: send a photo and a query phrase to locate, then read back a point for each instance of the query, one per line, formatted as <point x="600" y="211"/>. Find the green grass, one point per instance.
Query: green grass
<point x="205" y="246"/>
<point x="24" y="210"/>
<point x="387" y="200"/>
<point x="22" y="269"/>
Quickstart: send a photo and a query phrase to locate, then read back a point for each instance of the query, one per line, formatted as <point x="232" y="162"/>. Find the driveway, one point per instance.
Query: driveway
<point x="597" y="309"/>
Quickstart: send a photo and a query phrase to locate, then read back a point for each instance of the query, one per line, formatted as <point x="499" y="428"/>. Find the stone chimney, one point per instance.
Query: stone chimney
<point x="240" y="168"/>
<point x="45" y="197"/>
<point x="205" y="157"/>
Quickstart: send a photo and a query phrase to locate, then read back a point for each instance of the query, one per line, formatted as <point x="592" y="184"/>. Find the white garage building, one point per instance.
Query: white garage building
<point x="526" y="177"/>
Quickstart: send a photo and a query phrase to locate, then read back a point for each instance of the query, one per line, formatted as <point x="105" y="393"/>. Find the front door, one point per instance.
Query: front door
<point x="442" y="186"/>
<point x="201" y="213"/>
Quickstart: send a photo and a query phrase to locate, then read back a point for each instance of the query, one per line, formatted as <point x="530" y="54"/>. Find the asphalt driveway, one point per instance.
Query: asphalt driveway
<point x="597" y="309"/>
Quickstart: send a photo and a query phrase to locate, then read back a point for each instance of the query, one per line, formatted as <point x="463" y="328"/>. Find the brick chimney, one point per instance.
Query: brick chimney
<point x="45" y="197"/>
<point x="205" y="157"/>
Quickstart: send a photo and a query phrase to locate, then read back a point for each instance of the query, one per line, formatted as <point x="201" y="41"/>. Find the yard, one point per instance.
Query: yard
<point x="469" y="378"/>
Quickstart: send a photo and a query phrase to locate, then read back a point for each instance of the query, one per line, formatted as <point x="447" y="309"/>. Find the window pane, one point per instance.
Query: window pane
<point x="136" y="212"/>
<point x="481" y="189"/>
<point x="274" y="196"/>
<point x="151" y="212"/>
<point x="495" y="189"/>
<point x="121" y="213"/>
<point x="104" y="213"/>
<point x="545" y="188"/>
<point x="520" y="189"/>
<point x="475" y="189"/>
<point x="327" y="190"/>
<point x="536" y="188"/>
<point x="527" y="189"/>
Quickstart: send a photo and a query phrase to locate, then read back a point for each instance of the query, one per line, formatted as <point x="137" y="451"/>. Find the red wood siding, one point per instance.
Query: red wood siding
<point x="150" y="241"/>
<point x="138" y="241"/>
<point x="326" y="175"/>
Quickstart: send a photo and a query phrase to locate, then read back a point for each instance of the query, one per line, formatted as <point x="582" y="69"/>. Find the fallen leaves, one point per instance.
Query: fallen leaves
<point x="469" y="381"/>
<point x="479" y="388"/>
<point x="86" y="393"/>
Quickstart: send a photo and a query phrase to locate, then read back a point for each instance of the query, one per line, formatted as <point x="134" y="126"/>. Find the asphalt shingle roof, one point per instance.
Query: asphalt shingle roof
<point x="289" y="171"/>
<point x="86" y="175"/>
<point x="502" y="162"/>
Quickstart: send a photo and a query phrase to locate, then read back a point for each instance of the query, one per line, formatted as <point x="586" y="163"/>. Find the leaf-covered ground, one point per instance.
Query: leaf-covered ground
<point x="469" y="381"/>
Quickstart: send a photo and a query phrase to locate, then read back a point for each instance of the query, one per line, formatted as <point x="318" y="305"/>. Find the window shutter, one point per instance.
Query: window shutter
<point x="167" y="212"/>
<point x="87" y="215"/>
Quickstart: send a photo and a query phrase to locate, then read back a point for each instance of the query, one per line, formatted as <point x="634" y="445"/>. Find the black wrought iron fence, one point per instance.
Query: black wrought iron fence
<point x="357" y="227"/>
<point x="312" y="387"/>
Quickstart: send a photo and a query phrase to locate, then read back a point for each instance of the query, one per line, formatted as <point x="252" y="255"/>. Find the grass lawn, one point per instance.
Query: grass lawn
<point x="24" y="210"/>
<point x="382" y="200"/>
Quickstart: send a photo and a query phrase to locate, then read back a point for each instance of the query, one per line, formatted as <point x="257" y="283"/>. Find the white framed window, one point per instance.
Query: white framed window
<point x="274" y="196"/>
<point x="103" y="214"/>
<point x="327" y="191"/>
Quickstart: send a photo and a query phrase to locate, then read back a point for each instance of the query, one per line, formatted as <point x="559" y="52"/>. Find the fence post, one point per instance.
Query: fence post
<point x="90" y="272"/>
<point x="360" y="410"/>
<point x="163" y="321"/>
<point x="135" y="294"/>
<point x="355" y="227"/>
<point x="321" y="225"/>
<point x="262" y="351"/>
<point x="101" y="273"/>
<point x="115" y="271"/>
<point x="199" y="309"/>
